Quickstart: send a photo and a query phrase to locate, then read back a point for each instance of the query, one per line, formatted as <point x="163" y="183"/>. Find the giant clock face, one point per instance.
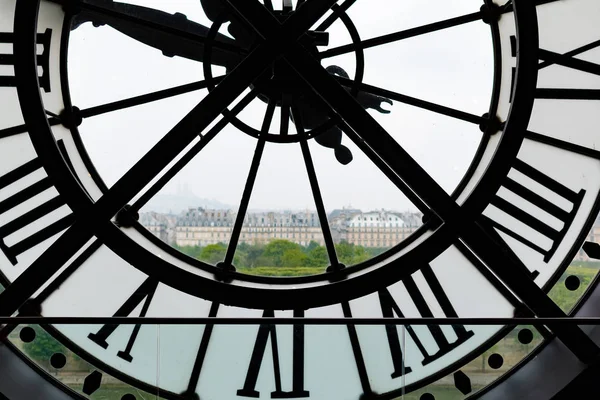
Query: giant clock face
<point x="495" y="237"/>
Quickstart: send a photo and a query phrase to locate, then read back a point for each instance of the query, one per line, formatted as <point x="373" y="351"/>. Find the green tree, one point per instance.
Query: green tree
<point x="274" y="250"/>
<point x="360" y="255"/>
<point x="251" y="254"/>
<point x="375" y="251"/>
<point x="345" y="252"/>
<point x="294" y="258"/>
<point x="318" y="257"/>
<point x="192" y="251"/>
<point x="213" y="253"/>
<point x="311" y="246"/>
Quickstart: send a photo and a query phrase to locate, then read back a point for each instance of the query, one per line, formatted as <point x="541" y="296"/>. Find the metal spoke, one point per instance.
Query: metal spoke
<point x="401" y="35"/>
<point x="149" y="97"/>
<point x="335" y="15"/>
<point x="412" y="101"/>
<point x="239" y="220"/>
<point x="15" y="130"/>
<point x="316" y="191"/>
<point x="412" y="32"/>
<point x="123" y="104"/>
<point x="183" y="161"/>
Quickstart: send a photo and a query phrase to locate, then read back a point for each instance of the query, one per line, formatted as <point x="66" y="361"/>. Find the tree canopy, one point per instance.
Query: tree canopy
<point x="281" y="255"/>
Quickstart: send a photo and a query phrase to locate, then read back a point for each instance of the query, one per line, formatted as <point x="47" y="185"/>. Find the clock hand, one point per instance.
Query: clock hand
<point x="365" y="99"/>
<point x="313" y="116"/>
<point x="181" y="37"/>
<point x="216" y="10"/>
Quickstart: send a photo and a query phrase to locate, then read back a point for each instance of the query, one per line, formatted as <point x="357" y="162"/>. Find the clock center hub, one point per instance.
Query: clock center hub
<point x="280" y="82"/>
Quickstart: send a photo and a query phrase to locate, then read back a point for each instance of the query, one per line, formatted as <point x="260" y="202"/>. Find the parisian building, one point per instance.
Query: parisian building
<point x="381" y="228"/>
<point x="200" y="226"/>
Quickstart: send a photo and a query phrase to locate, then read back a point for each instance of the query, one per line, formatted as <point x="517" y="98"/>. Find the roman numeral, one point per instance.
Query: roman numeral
<point x="144" y="293"/>
<point x="389" y="307"/>
<point x="43" y="59"/>
<point x="264" y="332"/>
<point x="567" y="60"/>
<point x="32" y="215"/>
<point x="542" y="203"/>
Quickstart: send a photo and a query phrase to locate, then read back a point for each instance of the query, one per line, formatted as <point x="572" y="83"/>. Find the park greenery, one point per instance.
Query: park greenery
<point x="281" y="257"/>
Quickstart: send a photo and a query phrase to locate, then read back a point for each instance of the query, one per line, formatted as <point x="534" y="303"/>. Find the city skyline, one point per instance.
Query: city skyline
<point x="202" y="227"/>
<point x="175" y="203"/>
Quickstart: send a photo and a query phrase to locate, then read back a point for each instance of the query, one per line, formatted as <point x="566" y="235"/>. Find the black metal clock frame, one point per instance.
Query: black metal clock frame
<point x="94" y="219"/>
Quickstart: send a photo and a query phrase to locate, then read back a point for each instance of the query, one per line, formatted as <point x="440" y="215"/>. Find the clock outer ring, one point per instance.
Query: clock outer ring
<point x="77" y="199"/>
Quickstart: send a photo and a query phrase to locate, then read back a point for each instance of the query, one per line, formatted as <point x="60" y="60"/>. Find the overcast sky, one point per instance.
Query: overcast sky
<point x="105" y="65"/>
